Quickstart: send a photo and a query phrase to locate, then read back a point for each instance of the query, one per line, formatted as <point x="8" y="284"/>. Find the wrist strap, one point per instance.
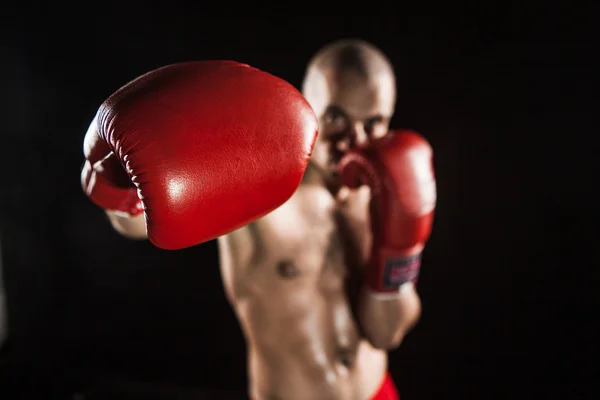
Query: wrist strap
<point x="394" y="270"/>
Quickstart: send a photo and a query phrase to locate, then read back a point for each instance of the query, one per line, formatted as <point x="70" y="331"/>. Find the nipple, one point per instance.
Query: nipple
<point x="287" y="269"/>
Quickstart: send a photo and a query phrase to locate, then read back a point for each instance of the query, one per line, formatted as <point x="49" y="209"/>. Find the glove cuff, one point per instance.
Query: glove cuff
<point x="110" y="197"/>
<point x="391" y="268"/>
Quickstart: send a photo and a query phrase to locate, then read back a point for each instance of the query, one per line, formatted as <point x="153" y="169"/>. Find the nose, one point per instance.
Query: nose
<point x="360" y="137"/>
<point x="355" y="137"/>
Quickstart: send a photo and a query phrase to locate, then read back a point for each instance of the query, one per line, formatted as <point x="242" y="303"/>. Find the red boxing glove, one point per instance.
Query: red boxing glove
<point x="399" y="170"/>
<point x="202" y="147"/>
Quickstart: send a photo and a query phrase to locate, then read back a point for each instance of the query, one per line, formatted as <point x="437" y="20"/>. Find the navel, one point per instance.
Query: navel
<point x="287" y="269"/>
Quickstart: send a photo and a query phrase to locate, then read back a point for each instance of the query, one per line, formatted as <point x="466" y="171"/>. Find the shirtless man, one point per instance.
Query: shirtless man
<point x="307" y="281"/>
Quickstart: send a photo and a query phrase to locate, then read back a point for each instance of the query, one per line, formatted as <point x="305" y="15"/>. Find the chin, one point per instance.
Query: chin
<point x="332" y="172"/>
<point x="333" y="182"/>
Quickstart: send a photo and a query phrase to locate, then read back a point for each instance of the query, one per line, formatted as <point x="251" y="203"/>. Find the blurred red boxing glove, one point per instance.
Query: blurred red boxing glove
<point x="202" y="148"/>
<point x="398" y="168"/>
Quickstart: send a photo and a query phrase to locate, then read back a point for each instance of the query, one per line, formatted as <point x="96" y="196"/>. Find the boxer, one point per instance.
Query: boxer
<point x="324" y="285"/>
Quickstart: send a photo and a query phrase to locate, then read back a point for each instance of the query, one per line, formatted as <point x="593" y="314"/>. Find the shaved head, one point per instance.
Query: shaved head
<point x="351" y="55"/>
<point x="351" y="86"/>
<point x="347" y="61"/>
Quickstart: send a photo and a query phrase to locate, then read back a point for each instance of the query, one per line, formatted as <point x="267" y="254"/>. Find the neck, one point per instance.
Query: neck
<point x="313" y="175"/>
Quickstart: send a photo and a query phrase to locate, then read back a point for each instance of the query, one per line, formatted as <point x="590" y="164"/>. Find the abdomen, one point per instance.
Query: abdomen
<point x="307" y="341"/>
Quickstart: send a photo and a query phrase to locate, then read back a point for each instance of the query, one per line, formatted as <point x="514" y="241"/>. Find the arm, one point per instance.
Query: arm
<point x="399" y="171"/>
<point x="132" y="227"/>
<point x="236" y="253"/>
<point x="386" y="319"/>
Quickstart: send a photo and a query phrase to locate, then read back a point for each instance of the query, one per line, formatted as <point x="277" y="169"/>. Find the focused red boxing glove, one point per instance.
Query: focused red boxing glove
<point x="398" y="168"/>
<point x="202" y="147"/>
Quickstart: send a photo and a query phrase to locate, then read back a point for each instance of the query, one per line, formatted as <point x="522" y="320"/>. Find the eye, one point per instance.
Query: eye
<point x="336" y="118"/>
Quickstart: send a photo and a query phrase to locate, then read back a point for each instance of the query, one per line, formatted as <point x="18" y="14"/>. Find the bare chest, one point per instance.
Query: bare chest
<point x="306" y="250"/>
<point x="311" y="240"/>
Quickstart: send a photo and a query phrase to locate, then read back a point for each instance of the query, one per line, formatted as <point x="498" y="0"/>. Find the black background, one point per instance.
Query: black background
<point x="508" y="277"/>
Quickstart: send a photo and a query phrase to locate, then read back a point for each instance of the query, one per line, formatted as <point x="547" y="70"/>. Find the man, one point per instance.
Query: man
<point x="324" y="284"/>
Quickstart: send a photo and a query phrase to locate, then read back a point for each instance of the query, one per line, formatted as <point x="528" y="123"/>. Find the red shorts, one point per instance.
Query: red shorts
<point x="387" y="390"/>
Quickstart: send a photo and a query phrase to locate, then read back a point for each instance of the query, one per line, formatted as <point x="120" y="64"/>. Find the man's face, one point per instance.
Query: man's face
<point x="352" y="111"/>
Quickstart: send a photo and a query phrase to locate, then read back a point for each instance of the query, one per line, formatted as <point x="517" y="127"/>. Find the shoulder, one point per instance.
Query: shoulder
<point x="238" y="245"/>
<point x="309" y="200"/>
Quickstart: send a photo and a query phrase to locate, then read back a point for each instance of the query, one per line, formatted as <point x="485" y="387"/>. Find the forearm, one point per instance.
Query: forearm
<point x="389" y="305"/>
<point x="132" y="227"/>
<point x="387" y="317"/>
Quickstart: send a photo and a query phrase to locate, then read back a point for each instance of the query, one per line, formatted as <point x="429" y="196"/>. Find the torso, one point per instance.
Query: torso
<point x="289" y="277"/>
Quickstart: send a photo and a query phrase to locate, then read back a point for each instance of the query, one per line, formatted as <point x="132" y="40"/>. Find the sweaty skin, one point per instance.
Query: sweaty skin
<point x="294" y="277"/>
